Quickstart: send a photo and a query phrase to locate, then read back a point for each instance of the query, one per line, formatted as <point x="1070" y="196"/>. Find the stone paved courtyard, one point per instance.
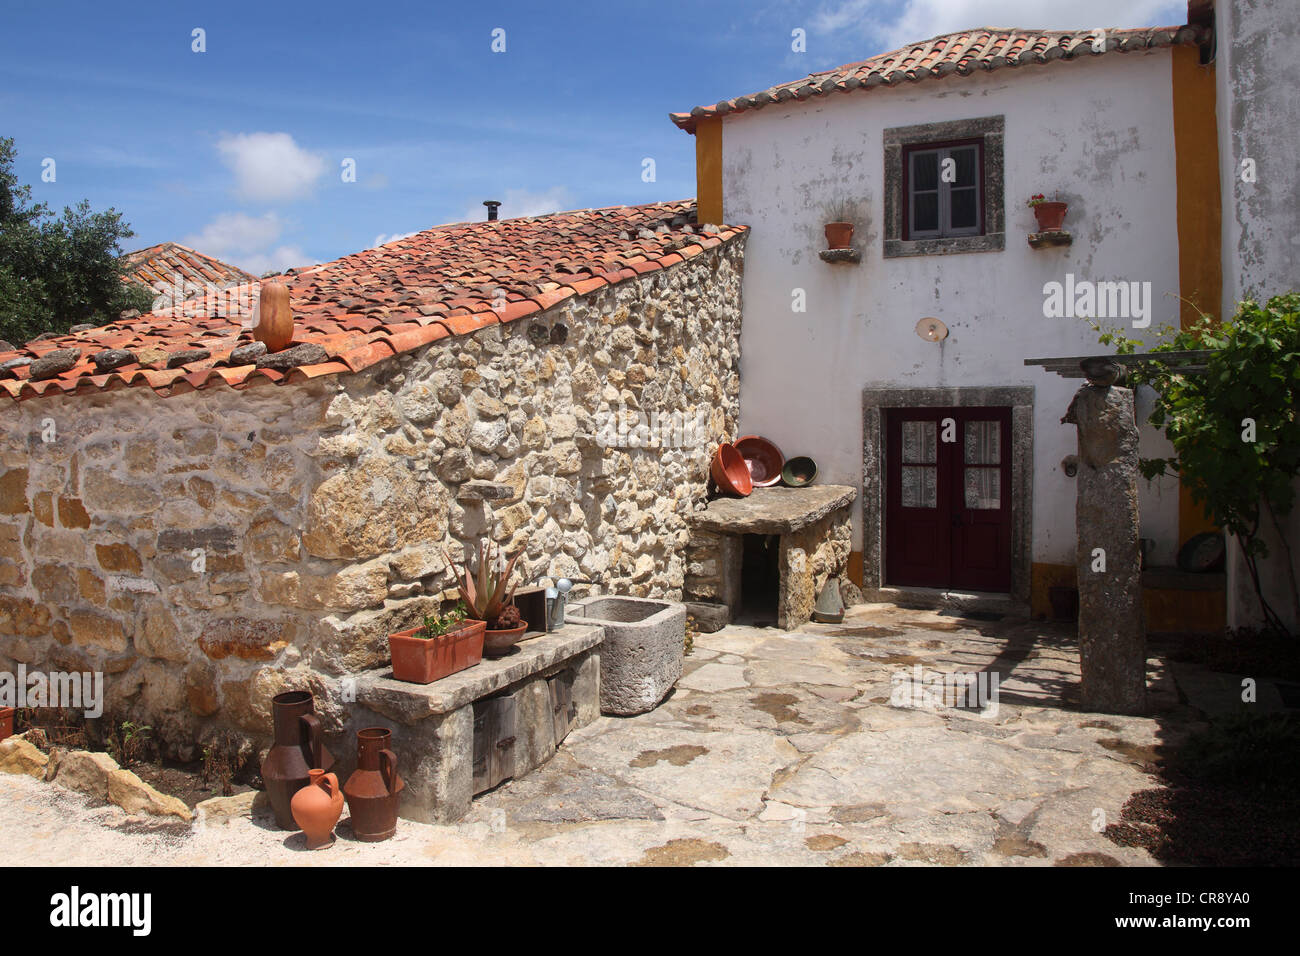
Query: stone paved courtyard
<point x="776" y="748"/>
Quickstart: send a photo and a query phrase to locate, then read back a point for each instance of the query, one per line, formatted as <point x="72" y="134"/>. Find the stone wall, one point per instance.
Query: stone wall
<point x="208" y="550"/>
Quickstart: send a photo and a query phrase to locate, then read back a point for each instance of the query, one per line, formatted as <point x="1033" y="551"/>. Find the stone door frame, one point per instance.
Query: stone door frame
<point x="1019" y="398"/>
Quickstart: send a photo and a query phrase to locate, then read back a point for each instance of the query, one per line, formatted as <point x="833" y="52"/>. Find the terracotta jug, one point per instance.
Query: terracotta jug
<point x="297" y="749"/>
<point x="274" y="317"/>
<point x="317" y="807"/>
<point x="374" y="791"/>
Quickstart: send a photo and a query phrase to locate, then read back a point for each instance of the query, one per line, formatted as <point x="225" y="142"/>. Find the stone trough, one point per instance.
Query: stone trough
<point x="641" y="657"/>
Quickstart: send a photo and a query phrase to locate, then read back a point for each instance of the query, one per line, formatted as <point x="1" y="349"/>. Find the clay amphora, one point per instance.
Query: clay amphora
<point x="297" y="749"/>
<point x="317" y="807"/>
<point x="374" y="791"/>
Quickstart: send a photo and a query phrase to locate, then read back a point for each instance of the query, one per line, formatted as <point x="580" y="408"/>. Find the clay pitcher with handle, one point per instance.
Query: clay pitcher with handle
<point x="297" y="749"/>
<point x="317" y="807"/>
<point x="374" y="791"/>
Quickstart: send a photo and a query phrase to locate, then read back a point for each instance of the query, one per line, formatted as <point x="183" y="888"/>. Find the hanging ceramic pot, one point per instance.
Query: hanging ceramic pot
<point x="274" y="317"/>
<point x="374" y="791"/>
<point x="297" y="749"/>
<point x="317" y="807"/>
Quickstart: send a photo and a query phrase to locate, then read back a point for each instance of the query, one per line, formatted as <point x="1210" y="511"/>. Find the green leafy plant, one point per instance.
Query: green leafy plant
<point x="1037" y="199"/>
<point x="485" y="593"/>
<point x="1235" y="426"/>
<point x="436" y="625"/>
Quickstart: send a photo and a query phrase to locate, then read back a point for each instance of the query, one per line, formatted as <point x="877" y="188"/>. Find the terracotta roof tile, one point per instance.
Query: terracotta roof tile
<point x="986" y="48"/>
<point x="446" y="281"/>
<point x="169" y="262"/>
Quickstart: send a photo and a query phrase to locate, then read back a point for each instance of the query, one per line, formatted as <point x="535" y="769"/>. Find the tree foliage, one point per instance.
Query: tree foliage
<point x="57" y="271"/>
<point x="1234" y="428"/>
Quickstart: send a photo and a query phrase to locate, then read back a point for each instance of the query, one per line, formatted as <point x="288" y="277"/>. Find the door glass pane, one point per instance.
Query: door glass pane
<point x="925" y="212"/>
<point x="983" y="443"/>
<point x="918" y="442"/>
<point x="964" y="214"/>
<point x="920" y="486"/>
<point x="925" y="170"/>
<point x="983" y="488"/>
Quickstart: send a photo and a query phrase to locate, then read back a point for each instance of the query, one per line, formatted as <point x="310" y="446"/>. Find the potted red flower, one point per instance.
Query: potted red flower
<point x="1050" y="215"/>
<point x="487" y="599"/>
<point x="442" y="645"/>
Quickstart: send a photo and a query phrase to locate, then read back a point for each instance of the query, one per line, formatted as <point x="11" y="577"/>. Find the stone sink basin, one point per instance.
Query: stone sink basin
<point x="641" y="656"/>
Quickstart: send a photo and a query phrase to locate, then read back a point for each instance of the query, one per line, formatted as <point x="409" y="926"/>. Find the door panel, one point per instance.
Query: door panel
<point x="948" y="502"/>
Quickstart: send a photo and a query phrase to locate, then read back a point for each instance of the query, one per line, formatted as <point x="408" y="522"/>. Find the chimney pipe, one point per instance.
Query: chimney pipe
<point x="492" y="205"/>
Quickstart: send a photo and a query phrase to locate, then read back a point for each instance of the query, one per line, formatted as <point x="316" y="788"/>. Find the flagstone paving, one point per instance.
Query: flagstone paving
<point x="775" y="748"/>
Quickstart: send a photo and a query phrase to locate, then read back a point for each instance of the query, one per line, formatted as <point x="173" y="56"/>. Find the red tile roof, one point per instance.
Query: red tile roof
<point x="961" y="53"/>
<point x="168" y="261"/>
<point x="363" y="308"/>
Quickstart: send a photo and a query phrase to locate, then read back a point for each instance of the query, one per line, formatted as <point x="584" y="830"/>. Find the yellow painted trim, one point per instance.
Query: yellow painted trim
<point x="1196" y="166"/>
<point x="708" y="170"/>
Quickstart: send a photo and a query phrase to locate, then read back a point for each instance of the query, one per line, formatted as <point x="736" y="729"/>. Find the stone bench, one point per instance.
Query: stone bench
<point x="498" y="720"/>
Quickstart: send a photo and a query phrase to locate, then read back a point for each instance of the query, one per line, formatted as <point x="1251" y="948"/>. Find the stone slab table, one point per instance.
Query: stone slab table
<point x="813" y="524"/>
<point x="498" y="720"/>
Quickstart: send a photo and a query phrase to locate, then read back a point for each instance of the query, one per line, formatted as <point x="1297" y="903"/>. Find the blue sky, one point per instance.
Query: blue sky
<point x="238" y="150"/>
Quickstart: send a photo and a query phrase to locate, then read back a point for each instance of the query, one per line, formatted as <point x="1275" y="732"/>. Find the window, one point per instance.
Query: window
<point x="943" y="190"/>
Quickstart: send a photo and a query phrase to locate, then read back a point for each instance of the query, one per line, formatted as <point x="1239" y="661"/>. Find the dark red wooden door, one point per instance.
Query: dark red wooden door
<point x="948" y="498"/>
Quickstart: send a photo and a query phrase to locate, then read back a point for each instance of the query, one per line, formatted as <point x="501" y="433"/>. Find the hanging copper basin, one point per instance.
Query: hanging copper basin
<point x="763" y="459"/>
<point x="729" y="471"/>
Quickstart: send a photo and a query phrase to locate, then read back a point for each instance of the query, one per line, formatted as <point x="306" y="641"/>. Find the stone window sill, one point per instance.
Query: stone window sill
<point x="896" y="248"/>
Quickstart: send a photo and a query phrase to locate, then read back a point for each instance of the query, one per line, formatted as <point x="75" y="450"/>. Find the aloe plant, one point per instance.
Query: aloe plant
<point x="485" y="594"/>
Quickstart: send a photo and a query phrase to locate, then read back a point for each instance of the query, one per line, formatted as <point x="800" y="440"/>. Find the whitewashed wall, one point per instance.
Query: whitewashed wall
<point x="1096" y="131"/>
<point x="1258" y="104"/>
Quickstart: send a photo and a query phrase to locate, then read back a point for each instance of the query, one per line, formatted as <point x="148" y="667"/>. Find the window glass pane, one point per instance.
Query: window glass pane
<point x="920" y="487"/>
<point x="925" y="170"/>
<point x="925" y="211"/>
<point x="918" y="442"/>
<point x="984" y="488"/>
<point x="963" y="211"/>
<point x="965" y="165"/>
<point x="983" y="443"/>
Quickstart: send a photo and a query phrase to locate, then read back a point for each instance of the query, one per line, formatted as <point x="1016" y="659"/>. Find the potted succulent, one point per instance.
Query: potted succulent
<point x="839" y="231"/>
<point x="443" y="644"/>
<point x="1050" y="215"/>
<point x="488" y="599"/>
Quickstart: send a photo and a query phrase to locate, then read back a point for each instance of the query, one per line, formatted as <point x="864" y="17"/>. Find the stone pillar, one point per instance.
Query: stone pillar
<point x="1112" y="634"/>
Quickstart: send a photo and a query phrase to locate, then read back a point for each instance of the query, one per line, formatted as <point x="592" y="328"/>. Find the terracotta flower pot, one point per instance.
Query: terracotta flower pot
<point x="421" y="660"/>
<point x="729" y="471"/>
<point x="6" y="722"/>
<point x="297" y="749"/>
<point x="317" y="807"/>
<point x="498" y="643"/>
<point x="839" y="235"/>
<point x="374" y="791"/>
<point x="1050" y="216"/>
<point x="275" y="317"/>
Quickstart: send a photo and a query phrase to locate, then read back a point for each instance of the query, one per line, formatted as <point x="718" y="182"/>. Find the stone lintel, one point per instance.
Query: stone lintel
<point x="772" y="510"/>
<point x="407" y="703"/>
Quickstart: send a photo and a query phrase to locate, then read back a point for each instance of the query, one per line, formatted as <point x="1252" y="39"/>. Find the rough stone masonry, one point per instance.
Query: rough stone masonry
<point x="209" y="550"/>
<point x="1112" y="635"/>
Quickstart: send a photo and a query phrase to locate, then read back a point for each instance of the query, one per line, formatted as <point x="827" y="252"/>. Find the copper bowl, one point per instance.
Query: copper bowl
<point x="763" y="459"/>
<point x="730" y="472"/>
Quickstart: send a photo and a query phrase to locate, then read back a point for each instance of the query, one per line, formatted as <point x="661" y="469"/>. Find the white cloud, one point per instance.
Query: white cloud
<point x="923" y="19"/>
<point x="521" y="202"/>
<point x="384" y="238"/>
<point x="270" y="166"/>
<point x="248" y="242"/>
